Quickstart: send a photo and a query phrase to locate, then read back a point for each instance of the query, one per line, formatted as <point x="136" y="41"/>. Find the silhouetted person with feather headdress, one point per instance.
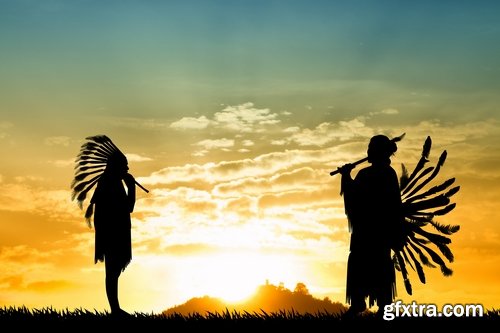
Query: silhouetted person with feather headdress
<point x="374" y="210"/>
<point x="112" y="223"/>
<point x="101" y="163"/>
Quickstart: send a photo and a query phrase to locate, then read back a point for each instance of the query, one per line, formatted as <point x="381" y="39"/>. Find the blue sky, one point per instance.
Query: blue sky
<point x="154" y="55"/>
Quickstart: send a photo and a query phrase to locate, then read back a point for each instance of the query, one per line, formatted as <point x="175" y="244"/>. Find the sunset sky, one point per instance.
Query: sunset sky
<point x="233" y="113"/>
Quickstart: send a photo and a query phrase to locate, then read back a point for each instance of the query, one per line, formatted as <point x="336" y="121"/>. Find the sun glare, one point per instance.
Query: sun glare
<point x="234" y="277"/>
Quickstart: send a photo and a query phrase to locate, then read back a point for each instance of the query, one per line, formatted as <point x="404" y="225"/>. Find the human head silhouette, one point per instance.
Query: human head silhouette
<point x="380" y="149"/>
<point x="117" y="165"/>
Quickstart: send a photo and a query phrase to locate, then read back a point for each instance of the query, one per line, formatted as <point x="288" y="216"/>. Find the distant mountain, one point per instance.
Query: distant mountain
<point x="268" y="297"/>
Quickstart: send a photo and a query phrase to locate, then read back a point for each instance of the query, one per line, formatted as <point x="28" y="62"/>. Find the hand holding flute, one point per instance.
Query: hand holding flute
<point x="349" y="166"/>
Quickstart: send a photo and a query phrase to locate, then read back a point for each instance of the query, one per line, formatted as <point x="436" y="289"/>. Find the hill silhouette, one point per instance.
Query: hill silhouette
<point x="268" y="298"/>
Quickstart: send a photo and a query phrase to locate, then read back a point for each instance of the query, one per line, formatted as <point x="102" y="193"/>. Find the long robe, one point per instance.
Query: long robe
<point x="112" y="221"/>
<point x="373" y="207"/>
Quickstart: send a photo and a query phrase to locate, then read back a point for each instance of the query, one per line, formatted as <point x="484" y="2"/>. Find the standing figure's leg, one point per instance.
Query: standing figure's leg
<point x="387" y="284"/>
<point x="358" y="303"/>
<point x="112" y="274"/>
<point x="355" y="284"/>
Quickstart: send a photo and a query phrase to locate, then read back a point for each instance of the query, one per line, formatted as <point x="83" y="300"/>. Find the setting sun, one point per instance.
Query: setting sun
<point x="234" y="276"/>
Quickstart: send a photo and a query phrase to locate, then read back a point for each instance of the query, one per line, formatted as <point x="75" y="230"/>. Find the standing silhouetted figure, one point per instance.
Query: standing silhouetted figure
<point x="374" y="210"/>
<point x="101" y="163"/>
<point x="112" y="224"/>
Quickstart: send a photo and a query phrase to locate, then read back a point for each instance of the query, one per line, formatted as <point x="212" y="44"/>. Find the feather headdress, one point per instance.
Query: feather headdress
<point x="421" y="205"/>
<point x="94" y="157"/>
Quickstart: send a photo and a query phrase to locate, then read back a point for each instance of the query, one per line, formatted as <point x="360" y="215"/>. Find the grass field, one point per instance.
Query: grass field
<point x="22" y="317"/>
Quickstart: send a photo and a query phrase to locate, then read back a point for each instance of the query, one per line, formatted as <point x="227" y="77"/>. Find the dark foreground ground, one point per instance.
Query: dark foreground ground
<point x="17" y="319"/>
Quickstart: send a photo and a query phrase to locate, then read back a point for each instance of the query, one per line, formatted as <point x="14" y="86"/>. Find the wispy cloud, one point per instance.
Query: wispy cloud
<point x="63" y="163"/>
<point x="137" y="158"/>
<point x="57" y="141"/>
<point x="242" y="118"/>
<point x="286" y="197"/>
<point x="291" y="129"/>
<point x="217" y="143"/>
<point x="209" y="144"/>
<point x="21" y="197"/>
<point x="187" y="123"/>
<point x="247" y="143"/>
<point x="265" y="164"/>
<point x="28" y="178"/>
<point x="304" y="177"/>
<point x="327" y="132"/>
<point x="388" y="111"/>
<point x="246" y="119"/>
<point x="278" y="142"/>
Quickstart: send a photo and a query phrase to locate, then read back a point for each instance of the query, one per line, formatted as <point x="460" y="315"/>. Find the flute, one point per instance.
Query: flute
<point x="333" y="173"/>
<point x="142" y="187"/>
